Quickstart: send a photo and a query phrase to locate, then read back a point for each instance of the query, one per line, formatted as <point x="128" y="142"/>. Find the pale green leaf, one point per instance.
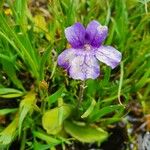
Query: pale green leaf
<point x="8" y="134"/>
<point x="27" y="105"/>
<point x="52" y="119"/>
<point x="85" y="133"/>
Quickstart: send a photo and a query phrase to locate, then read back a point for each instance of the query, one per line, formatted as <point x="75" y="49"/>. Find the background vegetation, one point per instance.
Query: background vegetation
<point x="39" y="103"/>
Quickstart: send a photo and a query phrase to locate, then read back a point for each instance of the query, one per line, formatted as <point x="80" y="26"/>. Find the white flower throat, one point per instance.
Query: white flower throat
<point x="87" y="47"/>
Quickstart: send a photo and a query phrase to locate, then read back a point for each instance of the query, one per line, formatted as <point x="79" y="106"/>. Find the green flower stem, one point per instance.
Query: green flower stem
<point x="81" y="92"/>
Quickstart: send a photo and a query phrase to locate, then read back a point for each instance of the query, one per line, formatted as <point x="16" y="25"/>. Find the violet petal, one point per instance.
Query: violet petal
<point x="96" y="33"/>
<point x="75" y="35"/>
<point x="65" y="58"/>
<point x="108" y="55"/>
<point x="84" y="67"/>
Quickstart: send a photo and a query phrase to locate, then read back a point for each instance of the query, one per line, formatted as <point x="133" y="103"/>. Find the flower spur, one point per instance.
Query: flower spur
<point x="81" y="61"/>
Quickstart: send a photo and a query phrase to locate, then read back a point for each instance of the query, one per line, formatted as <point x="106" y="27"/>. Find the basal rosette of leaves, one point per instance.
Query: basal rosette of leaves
<point x="58" y="120"/>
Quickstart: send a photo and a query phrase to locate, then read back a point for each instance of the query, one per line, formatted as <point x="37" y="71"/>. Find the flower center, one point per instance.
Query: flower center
<point x="87" y="47"/>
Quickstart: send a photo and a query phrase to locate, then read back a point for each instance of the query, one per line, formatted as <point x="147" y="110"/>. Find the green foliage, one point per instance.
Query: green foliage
<point x="85" y="133"/>
<point x="50" y="140"/>
<point x="10" y="93"/>
<point x="7" y="111"/>
<point x="99" y="113"/>
<point x="53" y="119"/>
<point x="32" y="36"/>
<point x="9" y="133"/>
<point x="27" y="105"/>
<point x="89" y="110"/>
<point x="54" y="97"/>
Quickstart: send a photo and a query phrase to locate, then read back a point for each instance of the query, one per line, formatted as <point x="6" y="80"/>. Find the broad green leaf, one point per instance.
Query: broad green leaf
<point x="85" y="133"/>
<point x="8" y="134"/>
<point x="89" y="110"/>
<point x="28" y="104"/>
<point x="52" y="119"/>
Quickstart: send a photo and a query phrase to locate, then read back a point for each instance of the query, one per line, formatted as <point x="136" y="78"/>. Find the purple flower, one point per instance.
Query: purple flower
<point x="81" y="61"/>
